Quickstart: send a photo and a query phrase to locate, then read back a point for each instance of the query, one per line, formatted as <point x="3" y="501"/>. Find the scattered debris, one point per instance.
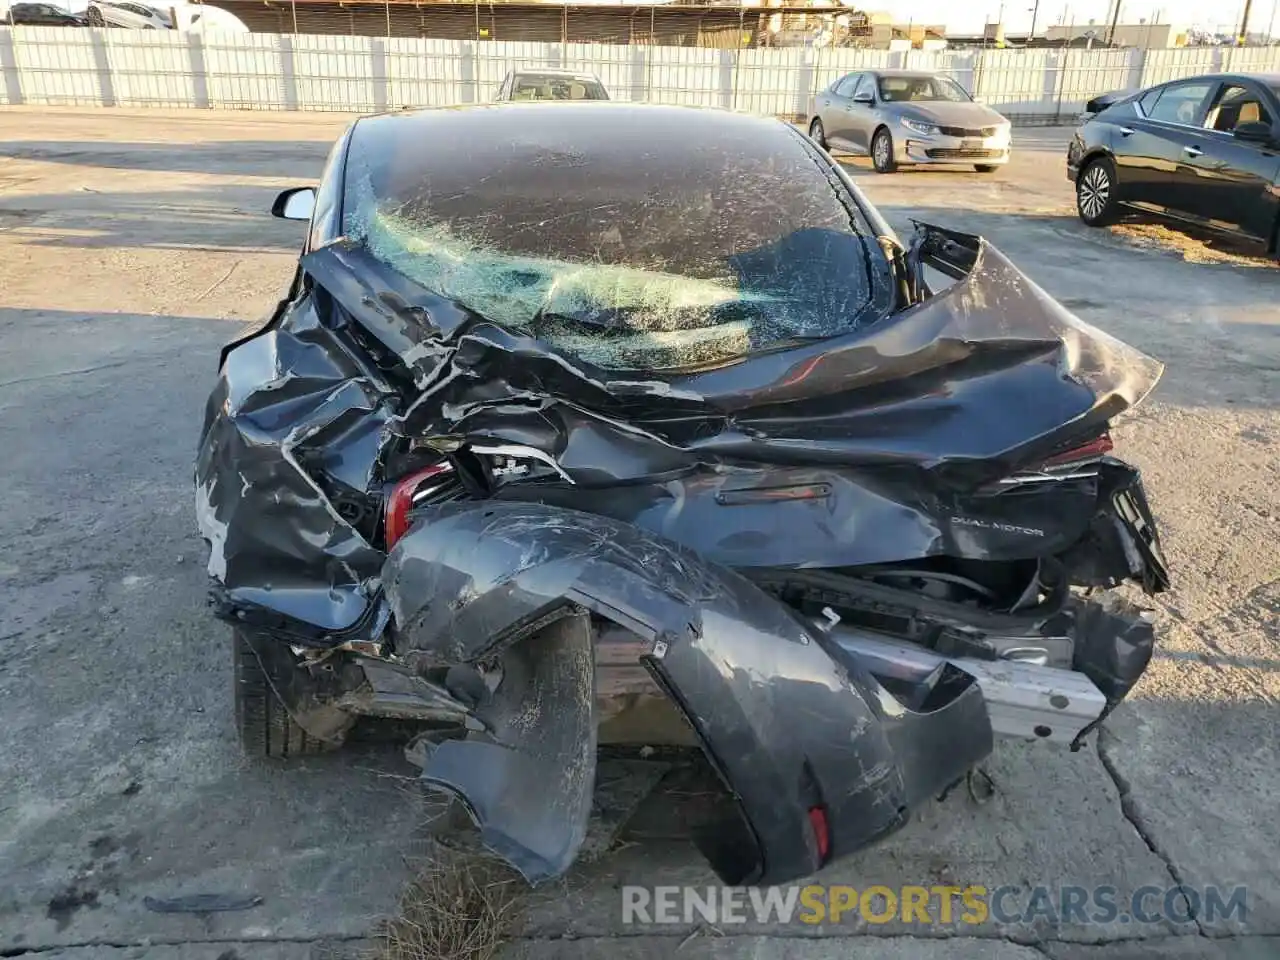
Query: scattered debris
<point x="219" y="282"/>
<point x="981" y="785"/>
<point x="202" y="903"/>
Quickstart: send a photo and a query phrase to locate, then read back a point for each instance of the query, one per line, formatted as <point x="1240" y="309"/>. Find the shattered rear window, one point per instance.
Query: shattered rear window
<point x="640" y="239"/>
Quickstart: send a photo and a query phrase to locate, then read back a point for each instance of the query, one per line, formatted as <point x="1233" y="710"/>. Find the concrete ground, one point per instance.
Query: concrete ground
<point x="133" y="244"/>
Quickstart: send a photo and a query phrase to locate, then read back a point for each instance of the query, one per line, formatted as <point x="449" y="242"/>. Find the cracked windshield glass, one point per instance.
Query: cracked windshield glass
<point x="624" y="258"/>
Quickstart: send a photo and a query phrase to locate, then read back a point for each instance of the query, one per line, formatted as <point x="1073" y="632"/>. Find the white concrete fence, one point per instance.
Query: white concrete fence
<point x="259" y="71"/>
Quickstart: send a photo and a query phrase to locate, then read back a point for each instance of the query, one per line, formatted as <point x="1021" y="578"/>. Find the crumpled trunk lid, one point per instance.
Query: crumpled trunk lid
<point x="311" y="417"/>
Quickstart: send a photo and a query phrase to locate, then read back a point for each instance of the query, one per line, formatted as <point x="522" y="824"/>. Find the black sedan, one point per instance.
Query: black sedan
<point x="649" y="387"/>
<point x="42" y="15"/>
<point x="1204" y="149"/>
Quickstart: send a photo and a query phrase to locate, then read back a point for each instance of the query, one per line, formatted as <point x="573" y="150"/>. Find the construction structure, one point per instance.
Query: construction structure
<point x="1144" y="35"/>
<point x="751" y="24"/>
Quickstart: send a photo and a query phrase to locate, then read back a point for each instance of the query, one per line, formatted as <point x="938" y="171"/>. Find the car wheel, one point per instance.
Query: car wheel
<point x="263" y="723"/>
<point x="1096" y="192"/>
<point x="817" y="134"/>
<point x="882" y="152"/>
<point x="986" y="167"/>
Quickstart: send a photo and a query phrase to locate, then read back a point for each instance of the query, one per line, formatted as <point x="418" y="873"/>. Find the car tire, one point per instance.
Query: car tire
<point x="263" y="723"/>
<point x="882" y="152"/>
<point x="986" y="167"/>
<point x="1096" y="192"/>
<point x="817" y="134"/>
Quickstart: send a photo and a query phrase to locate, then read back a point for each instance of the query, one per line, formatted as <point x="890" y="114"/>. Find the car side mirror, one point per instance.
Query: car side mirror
<point x="296" y="204"/>
<point x="1254" y="131"/>
<point x="863" y="97"/>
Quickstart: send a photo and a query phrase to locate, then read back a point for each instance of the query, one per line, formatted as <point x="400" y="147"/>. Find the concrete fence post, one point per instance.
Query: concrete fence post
<point x="13" y="91"/>
<point x="648" y="63"/>
<point x="1141" y="56"/>
<point x="737" y="75"/>
<point x="103" y="66"/>
<point x="1064" y="58"/>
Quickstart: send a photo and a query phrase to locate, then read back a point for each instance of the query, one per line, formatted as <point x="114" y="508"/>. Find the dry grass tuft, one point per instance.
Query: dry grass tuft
<point x="1193" y="244"/>
<point x="461" y="906"/>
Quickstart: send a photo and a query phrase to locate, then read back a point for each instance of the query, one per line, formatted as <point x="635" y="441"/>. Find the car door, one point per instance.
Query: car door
<point x="118" y="15"/>
<point x="833" y="107"/>
<point x="1231" y="180"/>
<point x="136" y="16"/>
<point x="1179" y="113"/>
<point x="862" y="113"/>
<point x="1149" y="146"/>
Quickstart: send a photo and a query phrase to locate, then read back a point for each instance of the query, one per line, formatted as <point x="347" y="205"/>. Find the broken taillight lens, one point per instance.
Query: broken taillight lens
<point x="1087" y="451"/>
<point x="401" y="501"/>
<point x="821" y="832"/>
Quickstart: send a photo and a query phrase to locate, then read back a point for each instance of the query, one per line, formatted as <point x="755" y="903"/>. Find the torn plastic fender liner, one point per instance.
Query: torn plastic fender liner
<point x="527" y="779"/>
<point x="791" y="724"/>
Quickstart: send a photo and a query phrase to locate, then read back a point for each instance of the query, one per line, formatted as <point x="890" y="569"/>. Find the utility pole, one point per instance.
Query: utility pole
<point x="1115" y="18"/>
<point x="1034" y="13"/>
<point x="1242" y="38"/>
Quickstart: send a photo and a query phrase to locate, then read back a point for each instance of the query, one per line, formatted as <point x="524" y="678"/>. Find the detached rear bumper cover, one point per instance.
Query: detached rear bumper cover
<point x="792" y="724"/>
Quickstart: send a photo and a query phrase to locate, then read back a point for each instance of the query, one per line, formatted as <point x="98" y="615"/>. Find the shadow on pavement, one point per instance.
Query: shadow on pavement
<point x="233" y="218"/>
<point x="265" y="158"/>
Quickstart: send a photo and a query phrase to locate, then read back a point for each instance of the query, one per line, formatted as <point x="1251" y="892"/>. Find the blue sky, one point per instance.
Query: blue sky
<point x="969" y="17"/>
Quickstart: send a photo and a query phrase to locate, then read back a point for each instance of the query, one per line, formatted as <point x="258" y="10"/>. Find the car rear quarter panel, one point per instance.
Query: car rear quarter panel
<point x="1092" y="139"/>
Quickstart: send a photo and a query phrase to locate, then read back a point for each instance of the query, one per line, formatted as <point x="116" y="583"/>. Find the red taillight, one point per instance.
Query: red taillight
<point x="821" y="835"/>
<point x="1094" y="448"/>
<point x="401" y="500"/>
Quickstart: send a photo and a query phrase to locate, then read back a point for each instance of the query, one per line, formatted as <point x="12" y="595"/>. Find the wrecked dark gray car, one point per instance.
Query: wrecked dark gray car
<point x="580" y="420"/>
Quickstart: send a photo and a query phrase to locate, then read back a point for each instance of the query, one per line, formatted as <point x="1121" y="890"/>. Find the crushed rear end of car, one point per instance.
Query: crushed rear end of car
<point x="843" y="562"/>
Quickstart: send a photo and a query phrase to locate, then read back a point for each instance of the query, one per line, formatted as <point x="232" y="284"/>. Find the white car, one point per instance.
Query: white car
<point x="120" y="13"/>
<point x="203" y="18"/>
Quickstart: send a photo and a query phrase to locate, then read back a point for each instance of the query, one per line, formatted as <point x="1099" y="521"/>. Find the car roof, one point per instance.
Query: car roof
<point x="901" y="73"/>
<point x="662" y="120"/>
<point x="570" y="74"/>
<point x="1270" y="79"/>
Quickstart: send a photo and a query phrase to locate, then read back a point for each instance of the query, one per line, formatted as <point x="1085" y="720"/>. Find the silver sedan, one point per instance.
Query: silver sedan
<point x="903" y="117"/>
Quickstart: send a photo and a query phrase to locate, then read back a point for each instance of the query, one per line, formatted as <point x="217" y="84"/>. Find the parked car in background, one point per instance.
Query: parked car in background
<point x="907" y="117"/>
<point x="203" y="18"/>
<point x="1204" y="149"/>
<point x="136" y="16"/>
<point x="41" y="15"/>
<point x="551" y="85"/>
